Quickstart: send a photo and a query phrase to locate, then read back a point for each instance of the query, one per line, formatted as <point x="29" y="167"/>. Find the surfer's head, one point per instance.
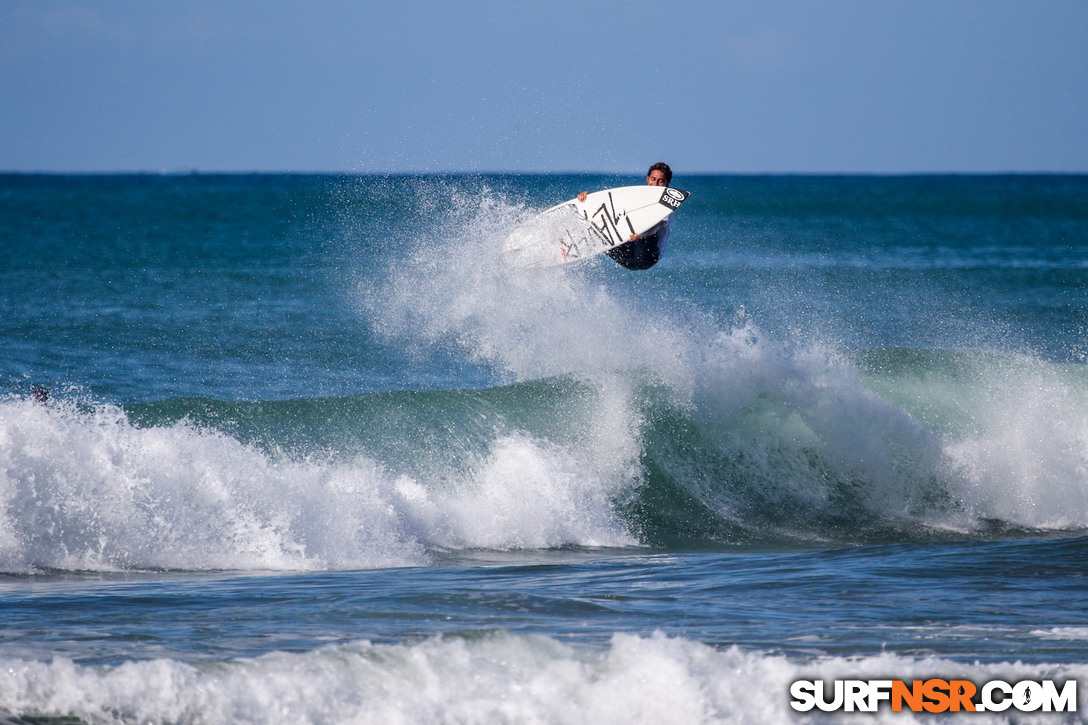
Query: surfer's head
<point x="659" y="175"/>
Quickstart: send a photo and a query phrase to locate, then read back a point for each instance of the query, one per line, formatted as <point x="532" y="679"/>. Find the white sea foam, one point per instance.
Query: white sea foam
<point x="498" y="678"/>
<point x="88" y="490"/>
<point x="1063" y="633"/>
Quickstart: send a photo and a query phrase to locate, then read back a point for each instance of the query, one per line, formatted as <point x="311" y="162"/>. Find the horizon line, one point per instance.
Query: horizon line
<point x="195" y="171"/>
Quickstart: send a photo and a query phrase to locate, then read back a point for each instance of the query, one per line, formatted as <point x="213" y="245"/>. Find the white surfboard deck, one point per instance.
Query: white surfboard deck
<point x="577" y="230"/>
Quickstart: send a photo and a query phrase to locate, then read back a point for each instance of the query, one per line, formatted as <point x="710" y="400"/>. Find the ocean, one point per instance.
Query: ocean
<point x="304" y="449"/>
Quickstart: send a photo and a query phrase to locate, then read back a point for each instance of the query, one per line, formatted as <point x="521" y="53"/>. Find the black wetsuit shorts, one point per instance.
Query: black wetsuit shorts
<point x="642" y="253"/>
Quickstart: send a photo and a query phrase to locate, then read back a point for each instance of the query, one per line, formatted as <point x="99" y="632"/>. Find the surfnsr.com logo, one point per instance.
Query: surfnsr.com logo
<point x="934" y="695"/>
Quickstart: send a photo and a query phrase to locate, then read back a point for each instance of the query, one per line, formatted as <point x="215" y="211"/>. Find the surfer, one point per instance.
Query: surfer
<point x="645" y="250"/>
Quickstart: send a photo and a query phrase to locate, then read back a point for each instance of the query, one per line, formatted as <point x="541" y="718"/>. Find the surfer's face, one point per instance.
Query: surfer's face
<point x="656" y="178"/>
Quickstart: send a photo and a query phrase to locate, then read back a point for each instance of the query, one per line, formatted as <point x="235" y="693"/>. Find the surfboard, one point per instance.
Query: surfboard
<point x="577" y="230"/>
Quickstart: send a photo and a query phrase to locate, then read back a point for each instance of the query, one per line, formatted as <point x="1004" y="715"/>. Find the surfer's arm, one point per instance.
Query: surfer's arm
<point x="582" y="196"/>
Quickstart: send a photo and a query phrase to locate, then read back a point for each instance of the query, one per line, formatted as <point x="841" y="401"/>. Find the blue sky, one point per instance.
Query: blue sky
<point x="749" y="86"/>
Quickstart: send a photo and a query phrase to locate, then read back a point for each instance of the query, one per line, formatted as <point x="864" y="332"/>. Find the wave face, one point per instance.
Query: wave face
<point x="754" y="446"/>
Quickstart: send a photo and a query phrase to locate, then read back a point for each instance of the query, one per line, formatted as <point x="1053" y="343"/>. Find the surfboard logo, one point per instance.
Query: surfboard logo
<point x="673" y="198"/>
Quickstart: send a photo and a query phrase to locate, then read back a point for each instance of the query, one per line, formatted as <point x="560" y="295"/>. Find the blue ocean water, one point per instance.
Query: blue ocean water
<point x="313" y="453"/>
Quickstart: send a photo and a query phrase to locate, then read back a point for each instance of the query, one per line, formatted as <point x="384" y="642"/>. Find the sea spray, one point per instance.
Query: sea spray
<point x="453" y="289"/>
<point x="785" y="432"/>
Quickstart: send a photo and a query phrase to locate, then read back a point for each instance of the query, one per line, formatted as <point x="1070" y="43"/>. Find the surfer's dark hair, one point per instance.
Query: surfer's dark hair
<point x="664" y="169"/>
